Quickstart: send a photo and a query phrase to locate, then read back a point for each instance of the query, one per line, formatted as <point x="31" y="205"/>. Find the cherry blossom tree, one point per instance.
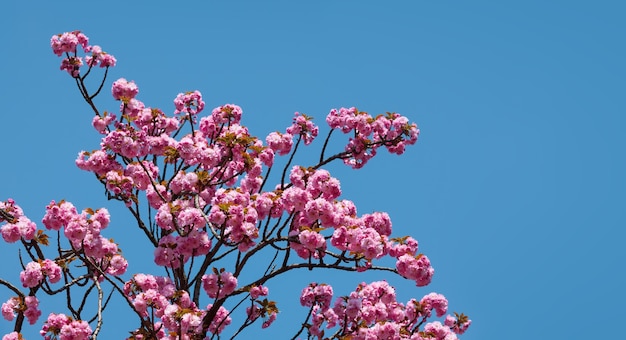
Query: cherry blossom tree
<point x="199" y="189"/>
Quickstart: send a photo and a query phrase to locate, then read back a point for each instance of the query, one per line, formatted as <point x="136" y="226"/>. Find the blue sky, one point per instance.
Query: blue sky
<point x="515" y="190"/>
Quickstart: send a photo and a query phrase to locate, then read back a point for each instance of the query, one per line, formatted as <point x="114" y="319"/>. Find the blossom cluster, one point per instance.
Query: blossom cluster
<point x="34" y="273"/>
<point x="18" y="226"/>
<point x="67" y="44"/>
<point x="28" y="305"/>
<point x="84" y="233"/>
<point x="375" y="306"/>
<point x="391" y="130"/>
<point x="62" y="327"/>
<point x="261" y="308"/>
<point x="180" y="317"/>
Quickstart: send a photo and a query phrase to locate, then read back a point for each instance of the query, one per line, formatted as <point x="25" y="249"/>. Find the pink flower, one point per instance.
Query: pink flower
<point x="155" y="197"/>
<point x="184" y="182"/>
<point x="21" y="227"/>
<point x="100" y="57"/>
<point x="12" y="336"/>
<point x="457" y="325"/>
<point x="52" y="270"/>
<point x="220" y="321"/>
<point x="280" y="143"/>
<point x="53" y="325"/>
<point x="117" y="265"/>
<point x="68" y="41"/>
<point x="434" y="301"/>
<point x="75" y="330"/>
<point x="124" y="90"/>
<point x="320" y="294"/>
<point x="10" y="233"/>
<point x="9" y="307"/>
<point x="189" y="103"/>
<point x="76" y="230"/>
<point x="415" y="268"/>
<point x="72" y="65"/>
<point x="127" y="142"/>
<point x="438" y="331"/>
<point x="142" y="178"/>
<point x="228" y="113"/>
<point x="100" y="219"/>
<point x="99" y="161"/>
<point x="219" y="286"/>
<point x="101" y="123"/>
<point x="268" y="322"/>
<point x="311" y="240"/>
<point x="32" y="312"/>
<point x="321" y="184"/>
<point x="166" y="253"/>
<point x="31" y="276"/>
<point x="303" y="126"/>
<point x="195" y="243"/>
<point x="379" y="221"/>
<point x="257" y="291"/>
<point x="405" y="245"/>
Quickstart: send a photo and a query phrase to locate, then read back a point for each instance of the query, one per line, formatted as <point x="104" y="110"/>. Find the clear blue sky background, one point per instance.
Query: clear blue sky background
<point x="515" y="190"/>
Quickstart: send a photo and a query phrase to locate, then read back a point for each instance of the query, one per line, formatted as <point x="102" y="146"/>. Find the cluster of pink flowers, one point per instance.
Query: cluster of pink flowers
<point x="35" y="272"/>
<point x="458" y="323"/>
<point x="372" y="312"/>
<point x="261" y="308"/>
<point x="280" y="143"/>
<point x="68" y="42"/>
<point x="29" y="306"/>
<point x="13" y="336"/>
<point x="392" y="131"/>
<point x="189" y="103"/>
<point x="219" y="285"/>
<point x="303" y="126"/>
<point x="19" y="227"/>
<point x="62" y="327"/>
<point x="99" y="58"/>
<point x="180" y="317"/>
<point x="83" y="232"/>
<point x="124" y="90"/>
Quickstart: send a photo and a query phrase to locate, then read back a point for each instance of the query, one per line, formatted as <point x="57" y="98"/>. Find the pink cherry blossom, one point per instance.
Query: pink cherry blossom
<point x="31" y="276"/>
<point x="117" y="265"/>
<point x="12" y="336"/>
<point x="219" y="286"/>
<point x="20" y="227"/>
<point x="9" y="307"/>
<point x="75" y="330"/>
<point x="221" y="320"/>
<point x="457" y="326"/>
<point x="101" y="123"/>
<point x="51" y="270"/>
<point x="434" y="301"/>
<point x="415" y="268"/>
<point x="124" y="90"/>
<point x="320" y="294"/>
<point x="32" y="312"/>
<point x="10" y="233"/>
<point x="257" y="291"/>
<point x="303" y="126"/>
<point x="189" y="103"/>
<point x="97" y="161"/>
<point x="67" y="42"/>
<point x="279" y="143"/>
<point x="99" y="57"/>
<point x="58" y="214"/>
